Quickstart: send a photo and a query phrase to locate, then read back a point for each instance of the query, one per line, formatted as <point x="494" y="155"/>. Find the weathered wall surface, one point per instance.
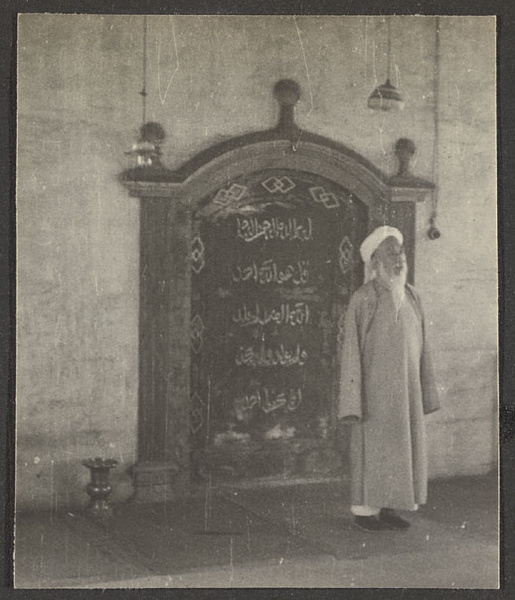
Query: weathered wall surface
<point x="209" y="79"/>
<point x="458" y="273"/>
<point x="77" y="256"/>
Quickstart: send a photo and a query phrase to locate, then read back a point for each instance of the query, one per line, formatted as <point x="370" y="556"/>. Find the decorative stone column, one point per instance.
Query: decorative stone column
<point x="162" y="469"/>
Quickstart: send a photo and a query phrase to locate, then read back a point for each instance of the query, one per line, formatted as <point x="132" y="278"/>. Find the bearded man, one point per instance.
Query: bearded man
<point x="387" y="386"/>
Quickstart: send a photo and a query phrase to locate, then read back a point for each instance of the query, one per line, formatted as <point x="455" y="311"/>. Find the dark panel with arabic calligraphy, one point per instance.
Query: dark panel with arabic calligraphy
<point x="274" y="261"/>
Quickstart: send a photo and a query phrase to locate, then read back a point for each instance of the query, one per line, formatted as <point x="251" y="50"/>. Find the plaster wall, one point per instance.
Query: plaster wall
<point x="208" y="79"/>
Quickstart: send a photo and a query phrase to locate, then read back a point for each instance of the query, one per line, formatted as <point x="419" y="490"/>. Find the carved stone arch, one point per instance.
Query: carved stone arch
<point x="169" y="202"/>
<point x="310" y="157"/>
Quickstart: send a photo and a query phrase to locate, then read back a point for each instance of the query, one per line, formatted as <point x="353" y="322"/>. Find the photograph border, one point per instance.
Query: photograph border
<point x="506" y="243"/>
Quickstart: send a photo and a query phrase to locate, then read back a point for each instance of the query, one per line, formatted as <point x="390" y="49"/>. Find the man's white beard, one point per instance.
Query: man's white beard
<point x="398" y="287"/>
<point x="395" y="283"/>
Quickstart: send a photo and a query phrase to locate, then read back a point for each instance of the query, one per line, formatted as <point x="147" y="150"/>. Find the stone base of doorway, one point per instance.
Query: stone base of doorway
<point x="273" y="464"/>
<point x="158" y="481"/>
<point x="301" y="457"/>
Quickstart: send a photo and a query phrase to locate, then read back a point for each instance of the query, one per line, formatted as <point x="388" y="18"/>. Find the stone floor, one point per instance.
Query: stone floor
<point x="287" y="536"/>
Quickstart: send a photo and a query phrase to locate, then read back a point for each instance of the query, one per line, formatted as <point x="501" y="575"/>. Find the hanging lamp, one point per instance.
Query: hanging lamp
<point x="386" y="97"/>
<point x="146" y="152"/>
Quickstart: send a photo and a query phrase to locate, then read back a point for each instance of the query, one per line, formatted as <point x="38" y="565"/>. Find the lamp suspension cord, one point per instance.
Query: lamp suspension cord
<point x="389" y="47"/>
<point x="144" y="88"/>
<point x="436" y="120"/>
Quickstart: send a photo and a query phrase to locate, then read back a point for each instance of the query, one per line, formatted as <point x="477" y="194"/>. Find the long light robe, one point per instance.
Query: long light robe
<point x="387" y="382"/>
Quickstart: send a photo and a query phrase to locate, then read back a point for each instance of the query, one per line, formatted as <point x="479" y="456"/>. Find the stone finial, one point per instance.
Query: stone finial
<point x="404" y="150"/>
<point x="287" y="94"/>
<point x="404" y="178"/>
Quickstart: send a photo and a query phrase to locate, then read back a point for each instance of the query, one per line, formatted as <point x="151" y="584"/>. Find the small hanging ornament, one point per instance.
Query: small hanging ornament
<point x="147" y="150"/>
<point x="386" y="97"/>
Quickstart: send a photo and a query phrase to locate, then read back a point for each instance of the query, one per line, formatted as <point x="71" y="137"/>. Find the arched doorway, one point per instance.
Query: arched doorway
<point x="274" y="262"/>
<point x="248" y="259"/>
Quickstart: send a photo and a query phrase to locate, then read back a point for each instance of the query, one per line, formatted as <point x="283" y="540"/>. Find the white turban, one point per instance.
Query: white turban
<point x="372" y="243"/>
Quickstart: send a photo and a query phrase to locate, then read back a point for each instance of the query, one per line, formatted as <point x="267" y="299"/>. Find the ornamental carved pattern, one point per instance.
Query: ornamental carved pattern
<point x="341" y="328"/>
<point x="198" y="261"/>
<point x="227" y="196"/>
<point x="328" y="199"/>
<point x="197" y="410"/>
<point x="197" y="330"/>
<point x="278" y="184"/>
<point x="346" y="250"/>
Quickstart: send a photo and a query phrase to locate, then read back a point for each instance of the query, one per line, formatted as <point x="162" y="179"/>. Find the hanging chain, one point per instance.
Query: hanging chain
<point x="144" y="89"/>
<point x="389" y="47"/>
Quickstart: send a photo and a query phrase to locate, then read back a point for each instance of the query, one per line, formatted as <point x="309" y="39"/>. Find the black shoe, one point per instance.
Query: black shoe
<point x="391" y="519"/>
<point x="370" y="524"/>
